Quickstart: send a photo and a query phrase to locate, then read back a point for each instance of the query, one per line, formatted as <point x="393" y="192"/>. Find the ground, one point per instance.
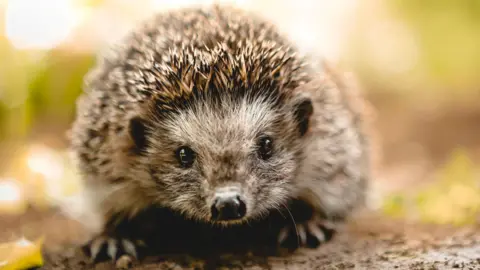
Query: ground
<point x="369" y="241"/>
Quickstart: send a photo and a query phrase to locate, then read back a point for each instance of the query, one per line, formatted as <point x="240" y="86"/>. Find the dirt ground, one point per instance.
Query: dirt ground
<point x="368" y="242"/>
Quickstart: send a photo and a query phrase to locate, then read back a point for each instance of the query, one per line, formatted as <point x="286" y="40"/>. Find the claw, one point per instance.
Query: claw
<point x="316" y="232"/>
<point x="282" y="236"/>
<point x="302" y="234"/>
<point x="96" y="247"/>
<point x="309" y="234"/>
<point x="129" y="248"/>
<point x="113" y="248"/>
<point x="328" y="232"/>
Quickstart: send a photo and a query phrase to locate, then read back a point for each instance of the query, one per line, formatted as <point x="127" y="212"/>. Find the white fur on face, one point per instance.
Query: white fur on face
<point x="237" y="122"/>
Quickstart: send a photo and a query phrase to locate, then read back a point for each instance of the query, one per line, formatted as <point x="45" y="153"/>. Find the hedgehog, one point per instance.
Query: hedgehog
<point x="213" y="114"/>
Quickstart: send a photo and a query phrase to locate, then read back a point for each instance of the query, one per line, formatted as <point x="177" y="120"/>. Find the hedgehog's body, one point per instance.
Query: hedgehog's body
<point x="198" y="106"/>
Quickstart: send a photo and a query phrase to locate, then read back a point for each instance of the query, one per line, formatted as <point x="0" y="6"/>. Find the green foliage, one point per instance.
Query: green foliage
<point x="453" y="199"/>
<point x="41" y="89"/>
<point x="447" y="32"/>
<point x="456" y="197"/>
<point x="394" y="206"/>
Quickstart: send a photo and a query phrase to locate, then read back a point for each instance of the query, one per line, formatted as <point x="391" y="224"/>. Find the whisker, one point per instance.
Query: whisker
<point x="294" y="224"/>
<point x="248" y="223"/>
<point x="279" y="211"/>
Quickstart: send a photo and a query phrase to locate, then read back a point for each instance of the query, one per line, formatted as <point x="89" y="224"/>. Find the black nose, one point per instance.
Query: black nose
<point x="228" y="207"/>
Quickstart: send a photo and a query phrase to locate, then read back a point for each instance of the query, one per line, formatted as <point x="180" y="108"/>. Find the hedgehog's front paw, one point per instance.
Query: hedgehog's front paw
<point x="310" y="233"/>
<point x="120" y="250"/>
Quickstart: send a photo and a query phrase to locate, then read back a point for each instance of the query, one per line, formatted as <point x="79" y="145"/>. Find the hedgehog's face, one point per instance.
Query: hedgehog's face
<point x="228" y="162"/>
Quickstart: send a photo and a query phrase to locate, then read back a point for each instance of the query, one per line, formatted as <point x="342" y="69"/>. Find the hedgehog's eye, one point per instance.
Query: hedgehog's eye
<point x="265" y="147"/>
<point x="185" y="156"/>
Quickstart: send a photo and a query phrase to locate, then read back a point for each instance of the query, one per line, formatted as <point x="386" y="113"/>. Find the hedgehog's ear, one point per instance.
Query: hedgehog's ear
<point x="138" y="132"/>
<point x="303" y="110"/>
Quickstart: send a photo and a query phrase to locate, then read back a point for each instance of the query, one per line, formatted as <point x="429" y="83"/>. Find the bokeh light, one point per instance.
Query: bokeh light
<point x="11" y="196"/>
<point x="40" y="24"/>
<point x="45" y="161"/>
<point x="10" y="191"/>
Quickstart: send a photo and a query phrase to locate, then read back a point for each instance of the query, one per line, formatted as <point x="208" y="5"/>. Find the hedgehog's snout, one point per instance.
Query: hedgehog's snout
<point x="228" y="205"/>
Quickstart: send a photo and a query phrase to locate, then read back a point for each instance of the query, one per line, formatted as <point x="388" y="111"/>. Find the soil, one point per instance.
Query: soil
<point x="369" y="241"/>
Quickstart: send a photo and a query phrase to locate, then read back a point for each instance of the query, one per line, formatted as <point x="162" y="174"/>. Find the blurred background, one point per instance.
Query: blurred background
<point x="418" y="62"/>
